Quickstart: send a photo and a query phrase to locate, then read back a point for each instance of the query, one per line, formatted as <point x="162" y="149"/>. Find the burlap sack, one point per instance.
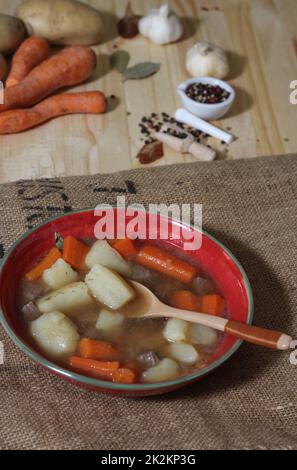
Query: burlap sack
<point x="248" y="403"/>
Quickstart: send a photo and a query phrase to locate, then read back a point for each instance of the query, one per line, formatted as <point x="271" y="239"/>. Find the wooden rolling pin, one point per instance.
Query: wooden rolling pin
<point x="186" y="145"/>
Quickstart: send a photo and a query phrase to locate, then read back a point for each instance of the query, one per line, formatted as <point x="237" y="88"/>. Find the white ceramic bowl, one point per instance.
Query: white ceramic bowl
<point x="204" y="110"/>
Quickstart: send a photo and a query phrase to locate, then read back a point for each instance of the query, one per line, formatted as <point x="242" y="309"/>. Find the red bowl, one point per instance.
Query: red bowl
<point x="215" y="259"/>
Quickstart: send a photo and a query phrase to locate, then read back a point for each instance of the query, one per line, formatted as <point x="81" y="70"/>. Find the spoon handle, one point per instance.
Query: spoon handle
<point x="253" y="334"/>
<point x="262" y="336"/>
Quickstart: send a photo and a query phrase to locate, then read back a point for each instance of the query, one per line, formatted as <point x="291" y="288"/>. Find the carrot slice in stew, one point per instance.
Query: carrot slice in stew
<point x="75" y="252"/>
<point x="44" y="264"/>
<point x="95" y="349"/>
<point x="161" y="261"/>
<point x="125" y="247"/>
<point x="185" y="300"/>
<point x="92" y="367"/>
<point x="104" y="370"/>
<point x="124" y="375"/>
<point x="212" y="304"/>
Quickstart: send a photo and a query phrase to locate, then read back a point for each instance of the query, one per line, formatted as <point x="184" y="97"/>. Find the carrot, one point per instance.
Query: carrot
<point x="104" y="370"/>
<point x="124" y="375"/>
<point x="74" y="252"/>
<point x="212" y="304"/>
<point x="132" y="365"/>
<point x="112" y="241"/>
<point x="71" y="66"/>
<point x="185" y="300"/>
<point x="31" y="52"/>
<point x="95" y="368"/>
<point x="19" y="120"/>
<point x="46" y="263"/>
<point x="157" y="259"/>
<point x="95" y="349"/>
<point x="125" y="247"/>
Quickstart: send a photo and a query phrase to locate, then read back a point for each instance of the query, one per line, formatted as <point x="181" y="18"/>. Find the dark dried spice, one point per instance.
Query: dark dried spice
<point x="207" y="94"/>
<point x="149" y="153"/>
<point x="128" y="26"/>
<point x="153" y="123"/>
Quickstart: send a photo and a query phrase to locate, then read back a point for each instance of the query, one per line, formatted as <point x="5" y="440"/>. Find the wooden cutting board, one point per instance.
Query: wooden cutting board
<point x="259" y="38"/>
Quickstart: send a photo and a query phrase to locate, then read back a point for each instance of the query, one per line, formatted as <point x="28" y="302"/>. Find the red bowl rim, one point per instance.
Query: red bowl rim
<point x="140" y="387"/>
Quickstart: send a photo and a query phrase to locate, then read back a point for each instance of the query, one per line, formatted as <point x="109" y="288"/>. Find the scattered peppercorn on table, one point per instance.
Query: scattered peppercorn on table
<point x="260" y="39"/>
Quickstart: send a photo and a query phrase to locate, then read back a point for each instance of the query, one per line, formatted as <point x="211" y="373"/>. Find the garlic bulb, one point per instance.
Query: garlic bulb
<point x="161" y="26"/>
<point x="205" y="59"/>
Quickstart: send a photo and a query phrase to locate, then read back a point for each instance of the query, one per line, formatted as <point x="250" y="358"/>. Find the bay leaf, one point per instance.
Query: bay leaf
<point x="119" y="61"/>
<point x="141" y="70"/>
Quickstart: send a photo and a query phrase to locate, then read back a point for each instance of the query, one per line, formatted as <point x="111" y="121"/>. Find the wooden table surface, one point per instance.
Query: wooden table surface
<point x="261" y="39"/>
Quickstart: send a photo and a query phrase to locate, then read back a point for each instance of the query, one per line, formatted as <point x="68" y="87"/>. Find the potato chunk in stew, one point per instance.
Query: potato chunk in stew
<point x="182" y="352"/>
<point x="108" y="287"/>
<point x="167" y="369"/>
<point x="55" y="334"/>
<point x="59" y="275"/>
<point x="67" y="299"/>
<point x="176" y="330"/>
<point x="109" y="323"/>
<point x="203" y="335"/>
<point x="102" y="253"/>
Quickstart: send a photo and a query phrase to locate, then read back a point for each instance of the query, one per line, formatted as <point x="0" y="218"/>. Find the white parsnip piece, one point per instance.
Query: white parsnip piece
<point x="55" y="334"/>
<point x="109" y="321"/>
<point x="102" y="253"/>
<point x="68" y="299"/>
<point x="109" y="287"/>
<point x="175" y="330"/>
<point x="59" y="275"/>
<point x="167" y="369"/>
<point x="200" y="334"/>
<point x="183" y="352"/>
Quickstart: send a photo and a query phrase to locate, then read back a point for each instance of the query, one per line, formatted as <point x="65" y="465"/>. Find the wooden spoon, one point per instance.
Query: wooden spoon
<point x="148" y="306"/>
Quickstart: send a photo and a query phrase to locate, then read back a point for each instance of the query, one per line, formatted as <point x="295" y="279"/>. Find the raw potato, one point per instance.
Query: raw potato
<point x="59" y="275"/>
<point x="3" y="69"/>
<point x="102" y="253"/>
<point x="55" y="334"/>
<point x="12" y="33"/>
<point x="182" y="352"/>
<point x="175" y="330"/>
<point x="69" y="299"/>
<point x="109" y="323"/>
<point x="64" y="22"/>
<point x="199" y="334"/>
<point x="108" y="287"/>
<point x="167" y="369"/>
